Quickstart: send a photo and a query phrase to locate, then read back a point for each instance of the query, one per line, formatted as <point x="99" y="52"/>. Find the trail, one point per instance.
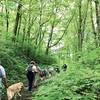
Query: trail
<point x="25" y="94"/>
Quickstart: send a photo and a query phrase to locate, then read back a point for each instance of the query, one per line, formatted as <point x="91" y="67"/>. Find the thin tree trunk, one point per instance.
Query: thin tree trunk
<point x="80" y="27"/>
<point x="17" y="20"/>
<point x="39" y="33"/>
<point x="19" y="26"/>
<point x="84" y="20"/>
<point x="29" y="28"/>
<point x="50" y="38"/>
<point x="93" y="27"/>
<point x="1" y="15"/>
<point x="7" y="16"/>
<point x="97" y="21"/>
<point x="24" y="32"/>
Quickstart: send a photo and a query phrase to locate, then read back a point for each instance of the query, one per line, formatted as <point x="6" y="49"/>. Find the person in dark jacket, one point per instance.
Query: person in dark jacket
<point x="57" y="70"/>
<point x="31" y="72"/>
<point x="64" y="67"/>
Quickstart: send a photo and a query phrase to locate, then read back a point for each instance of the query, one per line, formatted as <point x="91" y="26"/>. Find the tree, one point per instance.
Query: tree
<point x="81" y="24"/>
<point x="7" y="16"/>
<point x="18" y="16"/>
<point x="97" y="9"/>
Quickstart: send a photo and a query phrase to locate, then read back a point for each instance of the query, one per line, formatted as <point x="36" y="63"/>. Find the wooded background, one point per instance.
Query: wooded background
<point x="62" y="27"/>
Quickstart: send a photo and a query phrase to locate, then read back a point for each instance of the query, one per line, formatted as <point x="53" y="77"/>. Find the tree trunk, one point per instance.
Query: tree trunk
<point x="50" y="38"/>
<point x="93" y="26"/>
<point x="80" y="27"/>
<point x="19" y="26"/>
<point x="17" y="20"/>
<point x="24" y="32"/>
<point x="7" y="16"/>
<point x="1" y="16"/>
<point x="97" y="21"/>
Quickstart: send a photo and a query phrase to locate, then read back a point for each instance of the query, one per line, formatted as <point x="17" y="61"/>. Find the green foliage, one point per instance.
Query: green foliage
<point x="61" y="24"/>
<point x="34" y="53"/>
<point x="75" y="84"/>
<point x="15" y="59"/>
<point x="91" y="58"/>
<point x="11" y="61"/>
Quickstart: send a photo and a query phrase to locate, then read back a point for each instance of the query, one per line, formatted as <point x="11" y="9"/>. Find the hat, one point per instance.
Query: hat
<point x="32" y="62"/>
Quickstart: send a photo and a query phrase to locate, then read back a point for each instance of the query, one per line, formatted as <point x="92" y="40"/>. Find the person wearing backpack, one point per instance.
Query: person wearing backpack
<point x="43" y="74"/>
<point x="31" y="72"/>
<point x="64" y="67"/>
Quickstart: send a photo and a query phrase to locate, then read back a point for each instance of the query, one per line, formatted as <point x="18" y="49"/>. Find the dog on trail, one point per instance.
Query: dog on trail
<point x="14" y="89"/>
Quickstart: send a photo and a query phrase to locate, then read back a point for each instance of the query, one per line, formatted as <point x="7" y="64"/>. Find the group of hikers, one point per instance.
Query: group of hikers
<point x="34" y="69"/>
<point x="31" y="71"/>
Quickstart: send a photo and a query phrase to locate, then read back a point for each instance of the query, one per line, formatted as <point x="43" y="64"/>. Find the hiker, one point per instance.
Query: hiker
<point x="43" y="74"/>
<point x="31" y="72"/>
<point x="51" y="71"/>
<point x="3" y="79"/>
<point x="57" y="70"/>
<point x="64" y="67"/>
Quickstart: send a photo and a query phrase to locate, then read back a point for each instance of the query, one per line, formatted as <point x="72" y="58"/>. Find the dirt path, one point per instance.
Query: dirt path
<point x="26" y="95"/>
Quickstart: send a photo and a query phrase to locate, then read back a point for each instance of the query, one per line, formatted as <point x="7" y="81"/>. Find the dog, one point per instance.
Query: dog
<point x="14" y="89"/>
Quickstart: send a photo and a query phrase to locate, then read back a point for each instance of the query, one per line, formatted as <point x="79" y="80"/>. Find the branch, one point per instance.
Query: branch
<point x="59" y="39"/>
<point x="45" y="21"/>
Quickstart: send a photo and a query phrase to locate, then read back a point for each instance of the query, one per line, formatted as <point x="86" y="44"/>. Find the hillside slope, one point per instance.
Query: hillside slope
<point x="80" y="82"/>
<point x="75" y="84"/>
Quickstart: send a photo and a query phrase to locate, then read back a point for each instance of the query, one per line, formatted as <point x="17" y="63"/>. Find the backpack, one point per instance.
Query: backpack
<point x="65" y="66"/>
<point x="44" y="73"/>
<point x="30" y="69"/>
